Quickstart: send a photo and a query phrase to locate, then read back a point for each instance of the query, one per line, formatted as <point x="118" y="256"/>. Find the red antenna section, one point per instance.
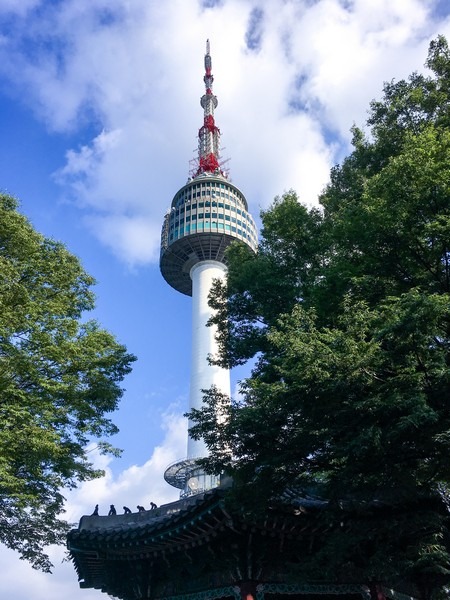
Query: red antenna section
<point x="209" y="133"/>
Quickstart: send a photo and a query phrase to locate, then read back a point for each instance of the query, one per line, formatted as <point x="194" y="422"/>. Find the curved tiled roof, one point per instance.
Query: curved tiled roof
<point x="193" y="545"/>
<point x="149" y="524"/>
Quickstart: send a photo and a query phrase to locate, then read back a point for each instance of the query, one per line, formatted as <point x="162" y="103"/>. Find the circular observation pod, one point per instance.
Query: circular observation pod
<point x="186" y="475"/>
<point x="205" y="216"/>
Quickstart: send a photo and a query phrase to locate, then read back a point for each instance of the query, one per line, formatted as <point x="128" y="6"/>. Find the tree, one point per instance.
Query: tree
<point x="346" y="311"/>
<point x="59" y="379"/>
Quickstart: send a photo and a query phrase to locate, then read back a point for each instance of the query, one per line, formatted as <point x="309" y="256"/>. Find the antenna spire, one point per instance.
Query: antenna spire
<point x="209" y="133"/>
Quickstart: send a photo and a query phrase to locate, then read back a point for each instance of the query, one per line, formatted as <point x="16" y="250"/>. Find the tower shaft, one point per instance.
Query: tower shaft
<point x="205" y="217"/>
<point x="203" y="374"/>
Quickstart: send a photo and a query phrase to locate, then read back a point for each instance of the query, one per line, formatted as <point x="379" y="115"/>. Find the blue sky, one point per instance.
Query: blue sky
<point x="99" y="112"/>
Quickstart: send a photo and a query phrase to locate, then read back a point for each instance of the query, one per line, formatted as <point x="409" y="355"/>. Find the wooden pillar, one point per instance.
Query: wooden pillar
<point x="248" y="590"/>
<point x="376" y="592"/>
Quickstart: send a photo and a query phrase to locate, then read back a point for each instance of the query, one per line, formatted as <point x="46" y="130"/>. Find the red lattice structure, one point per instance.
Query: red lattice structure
<point x="208" y="160"/>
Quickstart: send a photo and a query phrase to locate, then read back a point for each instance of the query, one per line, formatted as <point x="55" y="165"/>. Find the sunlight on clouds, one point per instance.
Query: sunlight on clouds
<point x="134" y="239"/>
<point x="18" y="579"/>
<point x="138" y="484"/>
<point x="345" y="60"/>
<point x="394" y="22"/>
<point x="291" y="79"/>
<point x="82" y="165"/>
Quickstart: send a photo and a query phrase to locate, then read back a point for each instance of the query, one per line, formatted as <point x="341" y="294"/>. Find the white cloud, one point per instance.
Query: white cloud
<point x="133" y="239"/>
<point x="135" y="69"/>
<point x="346" y="54"/>
<point x="138" y="484"/>
<point x="19" y="579"/>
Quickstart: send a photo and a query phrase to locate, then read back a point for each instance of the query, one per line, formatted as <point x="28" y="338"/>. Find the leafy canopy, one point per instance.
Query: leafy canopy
<point x="59" y="380"/>
<point x="346" y="311"/>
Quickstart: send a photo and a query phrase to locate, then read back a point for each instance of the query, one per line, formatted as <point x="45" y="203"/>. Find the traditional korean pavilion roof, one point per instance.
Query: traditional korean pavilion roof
<point x="103" y="545"/>
<point x="198" y="549"/>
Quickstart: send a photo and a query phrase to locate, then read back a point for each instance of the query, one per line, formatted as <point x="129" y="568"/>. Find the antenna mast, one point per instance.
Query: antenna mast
<point x="209" y="133"/>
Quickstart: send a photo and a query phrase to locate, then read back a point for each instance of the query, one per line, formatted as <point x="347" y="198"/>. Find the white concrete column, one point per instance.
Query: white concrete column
<point x="204" y="375"/>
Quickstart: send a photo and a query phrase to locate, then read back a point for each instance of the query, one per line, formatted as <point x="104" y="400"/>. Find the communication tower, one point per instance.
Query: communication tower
<point x="205" y="216"/>
<point x="201" y="547"/>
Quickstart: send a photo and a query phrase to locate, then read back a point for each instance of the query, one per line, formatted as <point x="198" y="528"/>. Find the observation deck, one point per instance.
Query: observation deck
<point x="205" y="216"/>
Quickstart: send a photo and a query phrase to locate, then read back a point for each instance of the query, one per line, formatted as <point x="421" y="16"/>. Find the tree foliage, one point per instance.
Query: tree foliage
<point x="346" y="311"/>
<point x="59" y="379"/>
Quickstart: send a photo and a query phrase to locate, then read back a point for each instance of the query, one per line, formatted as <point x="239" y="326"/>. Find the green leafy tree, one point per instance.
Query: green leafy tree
<point x="59" y="379"/>
<point x="346" y="311"/>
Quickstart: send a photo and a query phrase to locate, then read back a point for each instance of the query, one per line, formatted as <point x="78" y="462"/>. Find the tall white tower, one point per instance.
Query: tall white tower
<point x="205" y="216"/>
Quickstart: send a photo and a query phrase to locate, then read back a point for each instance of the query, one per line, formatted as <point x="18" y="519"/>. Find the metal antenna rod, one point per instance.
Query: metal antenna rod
<point x="209" y="133"/>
